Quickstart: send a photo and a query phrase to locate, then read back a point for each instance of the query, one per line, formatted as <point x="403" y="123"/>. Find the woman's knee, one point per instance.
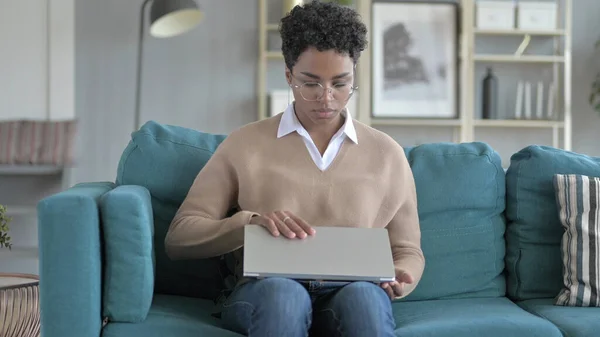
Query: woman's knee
<point x="285" y="294"/>
<point x="362" y="295"/>
<point x="357" y="309"/>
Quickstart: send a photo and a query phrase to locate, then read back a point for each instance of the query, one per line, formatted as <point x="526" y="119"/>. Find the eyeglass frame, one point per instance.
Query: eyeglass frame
<point x="330" y="90"/>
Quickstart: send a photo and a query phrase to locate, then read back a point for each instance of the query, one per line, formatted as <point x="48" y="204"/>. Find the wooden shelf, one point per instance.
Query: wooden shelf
<point x="22" y="252"/>
<point x="20" y="210"/>
<point x="516" y="58"/>
<point x="379" y="121"/>
<point x="517" y="123"/>
<point x="274" y="55"/>
<point x="30" y="170"/>
<point x="519" y="32"/>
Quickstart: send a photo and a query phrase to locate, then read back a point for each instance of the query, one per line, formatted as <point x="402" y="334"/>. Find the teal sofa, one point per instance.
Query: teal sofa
<point x="491" y="239"/>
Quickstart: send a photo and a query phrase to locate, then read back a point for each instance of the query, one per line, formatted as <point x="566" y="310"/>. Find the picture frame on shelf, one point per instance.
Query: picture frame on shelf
<point x="415" y="59"/>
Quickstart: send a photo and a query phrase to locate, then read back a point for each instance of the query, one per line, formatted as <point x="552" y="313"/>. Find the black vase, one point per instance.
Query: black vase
<point x="490" y="96"/>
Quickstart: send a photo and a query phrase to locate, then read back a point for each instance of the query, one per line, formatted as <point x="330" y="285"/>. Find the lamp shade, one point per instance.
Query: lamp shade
<point x="173" y="17"/>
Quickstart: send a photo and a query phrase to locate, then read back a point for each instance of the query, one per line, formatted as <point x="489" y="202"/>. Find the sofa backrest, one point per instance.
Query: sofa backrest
<point x="461" y="193"/>
<point x="534" y="231"/>
<point x="166" y="159"/>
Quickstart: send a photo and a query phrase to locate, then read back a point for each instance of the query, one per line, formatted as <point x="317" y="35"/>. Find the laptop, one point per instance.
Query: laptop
<point x="332" y="254"/>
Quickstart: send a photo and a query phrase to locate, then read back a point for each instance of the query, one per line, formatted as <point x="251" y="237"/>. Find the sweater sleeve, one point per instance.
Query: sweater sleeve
<point x="404" y="228"/>
<point x="201" y="228"/>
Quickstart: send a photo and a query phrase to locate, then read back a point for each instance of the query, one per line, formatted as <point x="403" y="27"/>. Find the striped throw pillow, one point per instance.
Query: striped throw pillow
<point x="578" y="201"/>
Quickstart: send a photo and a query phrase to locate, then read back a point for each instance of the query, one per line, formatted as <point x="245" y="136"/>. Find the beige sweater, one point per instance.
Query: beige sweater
<point x="369" y="184"/>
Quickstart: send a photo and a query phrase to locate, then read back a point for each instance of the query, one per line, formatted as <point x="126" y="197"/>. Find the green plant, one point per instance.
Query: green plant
<point x="4" y="221"/>
<point x="595" y="94"/>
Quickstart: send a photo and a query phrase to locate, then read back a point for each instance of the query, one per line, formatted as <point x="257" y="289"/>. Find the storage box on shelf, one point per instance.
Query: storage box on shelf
<point x="497" y="15"/>
<point x="540" y="16"/>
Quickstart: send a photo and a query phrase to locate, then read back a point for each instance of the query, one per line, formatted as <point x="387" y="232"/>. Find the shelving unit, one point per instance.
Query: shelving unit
<point x="24" y="171"/>
<point x="517" y="58"/>
<point x="466" y="123"/>
<point x="23" y="186"/>
<point x="508" y="123"/>
<point x="20" y="210"/>
<point x="264" y="55"/>
<point x="29" y="169"/>
<point x="501" y="32"/>
<point x="560" y="61"/>
<point x="414" y="122"/>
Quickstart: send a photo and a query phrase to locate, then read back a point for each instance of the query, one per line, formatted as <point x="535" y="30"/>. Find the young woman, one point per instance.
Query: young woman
<point x="309" y="166"/>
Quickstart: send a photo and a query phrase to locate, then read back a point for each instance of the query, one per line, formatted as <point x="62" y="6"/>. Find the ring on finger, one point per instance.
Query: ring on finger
<point x="286" y="219"/>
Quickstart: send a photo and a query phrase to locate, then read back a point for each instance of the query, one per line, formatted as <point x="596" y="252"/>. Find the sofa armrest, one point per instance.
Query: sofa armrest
<point x="128" y="230"/>
<point x="71" y="261"/>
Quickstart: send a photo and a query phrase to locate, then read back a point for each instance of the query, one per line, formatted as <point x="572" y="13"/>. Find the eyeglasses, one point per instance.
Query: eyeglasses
<point x="314" y="91"/>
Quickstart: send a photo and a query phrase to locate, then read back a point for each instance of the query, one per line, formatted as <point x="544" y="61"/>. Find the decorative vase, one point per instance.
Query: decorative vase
<point x="489" y="100"/>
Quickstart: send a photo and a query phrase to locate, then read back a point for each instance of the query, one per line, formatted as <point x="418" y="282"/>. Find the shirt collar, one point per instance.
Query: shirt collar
<point x="290" y="123"/>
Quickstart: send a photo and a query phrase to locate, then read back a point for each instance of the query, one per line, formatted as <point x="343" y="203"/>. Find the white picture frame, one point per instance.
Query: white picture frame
<point x="414" y="60"/>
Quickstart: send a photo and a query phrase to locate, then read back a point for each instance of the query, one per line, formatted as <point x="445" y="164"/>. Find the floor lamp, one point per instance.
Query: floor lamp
<point x="168" y="18"/>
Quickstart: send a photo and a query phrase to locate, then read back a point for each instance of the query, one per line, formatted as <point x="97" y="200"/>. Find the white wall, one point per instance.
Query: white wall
<point x="37" y="54"/>
<point x="23" y="60"/>
<point x="37" y="75"/>
<point x="61" y="54"/>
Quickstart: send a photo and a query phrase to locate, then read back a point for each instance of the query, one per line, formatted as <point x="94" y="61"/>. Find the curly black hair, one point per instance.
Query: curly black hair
<point x="324" y="26"/>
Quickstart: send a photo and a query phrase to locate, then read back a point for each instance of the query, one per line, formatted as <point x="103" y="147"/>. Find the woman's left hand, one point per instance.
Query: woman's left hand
<point x="396" y="288"/>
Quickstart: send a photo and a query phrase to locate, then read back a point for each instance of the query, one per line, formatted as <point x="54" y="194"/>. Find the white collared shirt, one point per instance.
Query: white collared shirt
<point x="290" y="123"/>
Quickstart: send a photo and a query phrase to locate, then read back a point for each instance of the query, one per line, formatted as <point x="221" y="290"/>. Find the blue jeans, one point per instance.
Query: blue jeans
<point x="283" y="307"/>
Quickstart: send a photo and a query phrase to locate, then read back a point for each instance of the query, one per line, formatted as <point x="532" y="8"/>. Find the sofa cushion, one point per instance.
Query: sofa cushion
<point x="460" y="192"/>
<point x="534" y="231"/>
<point x="572" y="321"/>
<point x="173" y="316"/>
<point x="476" y="317"/>
<point x="166" y="159"/>
<point x="128" y="230"/>
<point x="578" y="199"/>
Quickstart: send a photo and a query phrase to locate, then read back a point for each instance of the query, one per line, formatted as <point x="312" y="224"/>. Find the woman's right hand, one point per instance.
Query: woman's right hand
<point x="284" y="222"/>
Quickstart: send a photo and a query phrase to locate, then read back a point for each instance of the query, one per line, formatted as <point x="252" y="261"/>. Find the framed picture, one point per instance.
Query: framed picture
<point x="415" y="59"/>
